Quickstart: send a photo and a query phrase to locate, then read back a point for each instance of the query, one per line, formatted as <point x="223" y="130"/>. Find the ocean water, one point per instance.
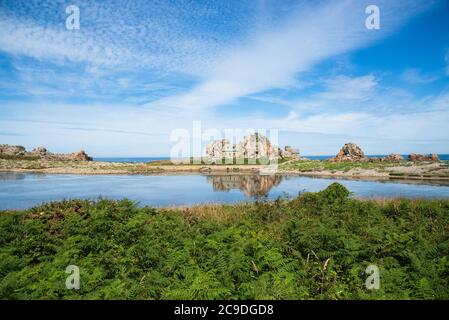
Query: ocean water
<point x="25" y="190"/>
<point x="148" y="159"/>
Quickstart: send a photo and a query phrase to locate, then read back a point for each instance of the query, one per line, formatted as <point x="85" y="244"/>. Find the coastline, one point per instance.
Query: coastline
<point x="420" y="171"/>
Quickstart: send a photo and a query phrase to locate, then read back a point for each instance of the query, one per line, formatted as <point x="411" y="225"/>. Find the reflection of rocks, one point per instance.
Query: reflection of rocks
<point x="250" y="185"/>
<point x="8" y="176"/>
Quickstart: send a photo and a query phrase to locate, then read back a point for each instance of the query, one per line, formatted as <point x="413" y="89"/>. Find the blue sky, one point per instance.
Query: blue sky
<point x="137" y="70"/>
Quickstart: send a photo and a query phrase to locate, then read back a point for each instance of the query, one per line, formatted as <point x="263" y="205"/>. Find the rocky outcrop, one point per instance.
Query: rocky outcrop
<point x="218" y="150"/>
<point x="42" y="153"/>
<point x="350" y="152"/>
<point x="289" y="152"/>
<point x="253" y="146"/>
<point x="256" y="146"/>
<point x="10" y="150"/>
<point x="393" y="157"/>
<point x="419" y="157"/>
<point x="74" y="156"/>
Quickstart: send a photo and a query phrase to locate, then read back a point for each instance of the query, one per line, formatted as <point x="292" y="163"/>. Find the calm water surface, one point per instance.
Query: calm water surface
<point x="24" y="190"/>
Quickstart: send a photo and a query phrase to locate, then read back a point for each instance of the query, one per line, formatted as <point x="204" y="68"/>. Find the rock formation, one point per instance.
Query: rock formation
<point x="256" y="146"/>
<point x="74" y="156"/>
<point x="393" y="157"/>
<point x="253" y="146"/>
<point x="12" y="150"/>
<point x="420" y="157"/>
<point x="218" y="150"/>
<point x="350" y="152"/>
<point x="289" y="152"/>
<point x="42" y="153"/>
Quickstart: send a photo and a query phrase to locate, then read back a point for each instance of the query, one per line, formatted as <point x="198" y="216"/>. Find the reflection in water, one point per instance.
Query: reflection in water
<point x="250" y="185"/>
<point x="24" y="190"/>
<point x="6" y="176"/>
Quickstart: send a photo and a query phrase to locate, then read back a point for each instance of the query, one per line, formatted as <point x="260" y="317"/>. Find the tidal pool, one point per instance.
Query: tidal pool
<point x="24" y="190"/>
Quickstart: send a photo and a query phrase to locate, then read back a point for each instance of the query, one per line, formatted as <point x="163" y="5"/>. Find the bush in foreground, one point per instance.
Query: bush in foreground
<point x="316" y="246"/>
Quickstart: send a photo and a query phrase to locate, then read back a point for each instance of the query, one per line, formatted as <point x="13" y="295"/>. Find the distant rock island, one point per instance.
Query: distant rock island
<point x="351" y="152"/>
<point x="19" y="152"/>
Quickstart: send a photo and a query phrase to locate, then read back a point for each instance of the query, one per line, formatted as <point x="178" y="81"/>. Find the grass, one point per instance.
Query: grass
<point x="12" y="157"/>
<point x="317" y="165"/>
<point x="315" y="246"/>
<point x="49" y="164"/>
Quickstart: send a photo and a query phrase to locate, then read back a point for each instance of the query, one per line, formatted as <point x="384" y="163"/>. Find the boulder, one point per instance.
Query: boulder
<point x="434" y="157"/>
<point x="289" y="152"/>
<point x="419" y="157"/>
<point x="74" y="156"/>
<point x="350" y="152"/>
<point x="11" y="150"/>
<point x="218" y="150"/>
<point x="253" y="146"/>
<point x="393" y="157"/>
<point x="256" y="146"/>
<point x="79" y="156"/>
<point x="43" y="153"/>
<point x="40" y="151"/>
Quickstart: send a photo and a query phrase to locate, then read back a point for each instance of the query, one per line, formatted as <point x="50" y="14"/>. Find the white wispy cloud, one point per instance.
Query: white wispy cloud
<point x="30" y="39"/>
<point x="272" y="58"/>
<point x="349" y="88"/>
<point x="113" y="130"/>
<point x="415" y="76"/>
<point x="155" y="35"/>
<point x="441" y="102"/>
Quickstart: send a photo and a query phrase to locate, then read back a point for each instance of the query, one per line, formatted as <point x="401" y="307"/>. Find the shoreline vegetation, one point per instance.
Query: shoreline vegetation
<point x="419" y="170"/>
<point x="316" y="246"/>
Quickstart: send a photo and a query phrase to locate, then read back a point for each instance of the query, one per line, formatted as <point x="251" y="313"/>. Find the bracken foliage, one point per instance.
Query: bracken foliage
<point x="316" y="246"/>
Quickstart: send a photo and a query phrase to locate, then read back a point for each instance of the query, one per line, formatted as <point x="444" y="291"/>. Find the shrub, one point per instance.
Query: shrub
<point x="316" y="246"/>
